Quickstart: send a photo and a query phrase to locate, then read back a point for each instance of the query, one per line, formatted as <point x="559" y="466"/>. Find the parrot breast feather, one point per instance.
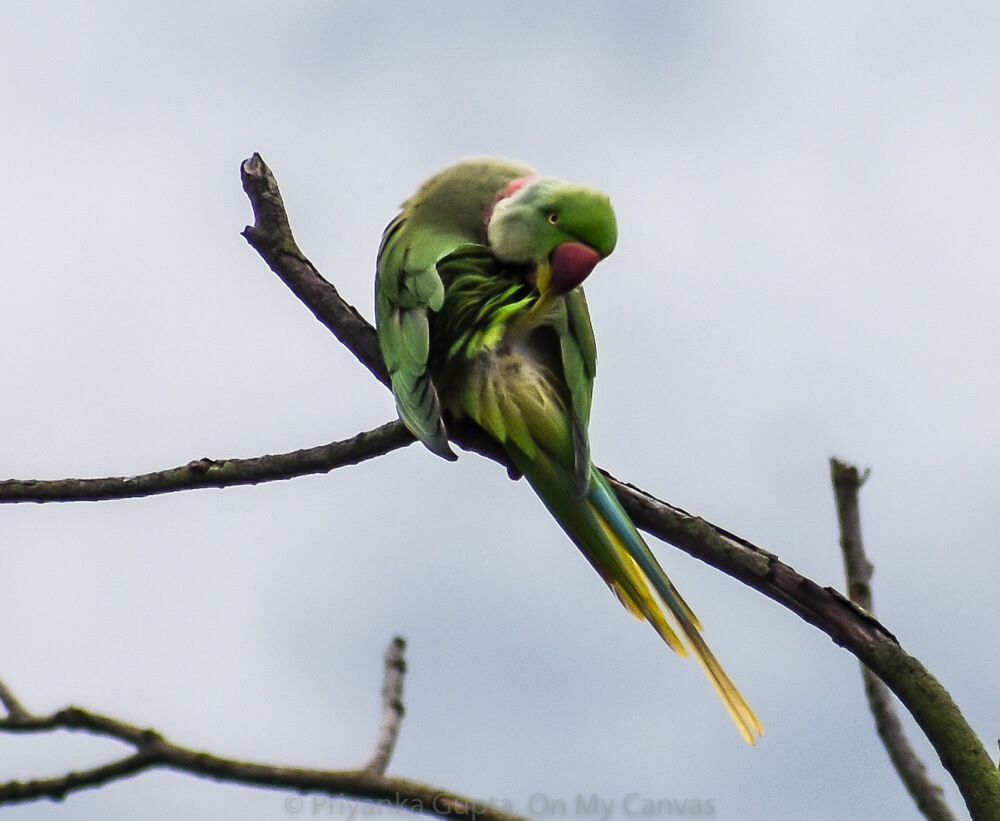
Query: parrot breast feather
<point x="520" y="369"/>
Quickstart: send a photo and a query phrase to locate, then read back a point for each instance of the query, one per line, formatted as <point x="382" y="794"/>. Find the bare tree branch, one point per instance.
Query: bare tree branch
<point x="392" y="705"/>
<point x="214" y="472"/>
<point x="929" y="797"/>
<point x="271" y="236"/>
<point x="152" y="750"/>
<point x="961" y="752"/>
<point x="14" y="708"/>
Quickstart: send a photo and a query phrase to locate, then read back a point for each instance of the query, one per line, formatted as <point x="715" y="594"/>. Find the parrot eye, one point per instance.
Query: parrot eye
<point x="553" y="218"/>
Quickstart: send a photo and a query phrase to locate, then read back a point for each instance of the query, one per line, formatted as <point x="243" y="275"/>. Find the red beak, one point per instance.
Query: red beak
<point x="571" y="263"/>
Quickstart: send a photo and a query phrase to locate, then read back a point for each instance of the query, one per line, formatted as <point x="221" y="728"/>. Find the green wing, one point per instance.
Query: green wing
<point x="406" y="288"/>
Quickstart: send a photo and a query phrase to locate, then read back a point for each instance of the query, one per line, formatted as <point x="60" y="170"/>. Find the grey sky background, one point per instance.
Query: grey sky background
<point x="808" y="201"/>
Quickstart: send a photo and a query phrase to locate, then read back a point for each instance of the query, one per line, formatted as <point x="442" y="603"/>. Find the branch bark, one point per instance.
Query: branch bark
<point x="392" y="706"/>
<point x="929" y="797"/>
<point x="271" y="237"/>
<point x="217" y="473"/>
<point x="961" y="752"/>
<point x="152" y="750"/>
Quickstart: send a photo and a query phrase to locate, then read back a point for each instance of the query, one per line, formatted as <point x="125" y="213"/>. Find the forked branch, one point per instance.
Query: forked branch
<point x="929" y="797"/>
<point x="850" y="626"/>
<point x="150" y="750"/>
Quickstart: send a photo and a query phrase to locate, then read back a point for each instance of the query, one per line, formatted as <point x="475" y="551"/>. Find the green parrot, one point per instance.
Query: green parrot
<point x="480" y="316"/>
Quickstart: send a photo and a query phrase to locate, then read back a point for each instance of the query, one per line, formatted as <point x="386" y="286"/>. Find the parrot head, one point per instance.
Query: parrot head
<point x="564" y="230"/>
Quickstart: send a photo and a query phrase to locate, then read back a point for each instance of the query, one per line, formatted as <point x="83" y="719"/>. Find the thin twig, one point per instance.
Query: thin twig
<point x="929" y="797"/>
<point x="151" y="750"/>
<point x="15" y="710"/>
<point x="392" y="705"/>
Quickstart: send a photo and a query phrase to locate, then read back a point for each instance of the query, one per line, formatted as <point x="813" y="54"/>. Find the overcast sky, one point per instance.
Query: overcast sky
<point x="808" y="198"/>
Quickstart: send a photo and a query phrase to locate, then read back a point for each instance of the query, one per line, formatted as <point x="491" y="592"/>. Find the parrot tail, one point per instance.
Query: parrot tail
<point x="605" y="534"/>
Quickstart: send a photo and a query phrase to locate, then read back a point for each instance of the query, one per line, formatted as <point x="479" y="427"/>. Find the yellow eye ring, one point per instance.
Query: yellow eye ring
<point x="553" y="218"/>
